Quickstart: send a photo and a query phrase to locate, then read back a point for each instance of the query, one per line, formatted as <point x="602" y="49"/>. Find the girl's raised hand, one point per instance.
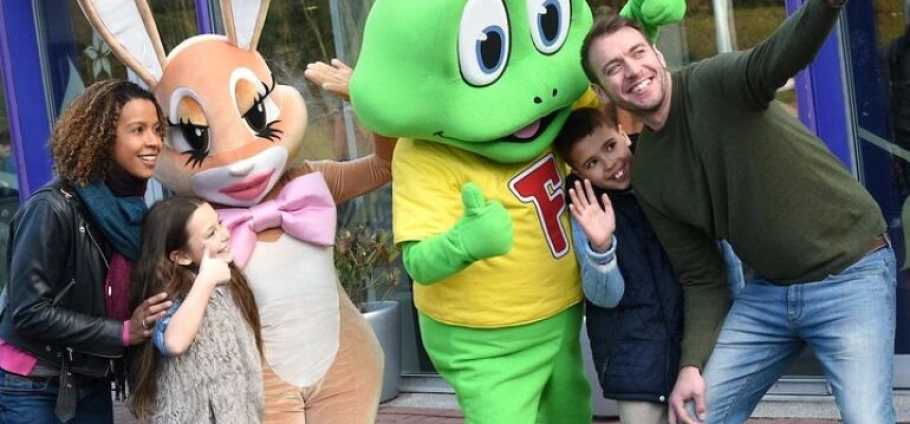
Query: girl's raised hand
<point x="213" y="270"/>
<point x="598" y="223"/>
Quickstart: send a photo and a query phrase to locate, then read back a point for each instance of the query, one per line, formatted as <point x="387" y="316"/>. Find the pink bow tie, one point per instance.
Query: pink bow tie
<point x="304" y="209"/>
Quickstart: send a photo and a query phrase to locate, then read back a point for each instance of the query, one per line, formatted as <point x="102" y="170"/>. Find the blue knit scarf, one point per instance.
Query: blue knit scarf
<point x="118" y="217"/>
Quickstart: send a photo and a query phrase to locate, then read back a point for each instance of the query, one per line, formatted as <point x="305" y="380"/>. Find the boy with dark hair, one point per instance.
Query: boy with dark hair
<point x="634" y="301"/>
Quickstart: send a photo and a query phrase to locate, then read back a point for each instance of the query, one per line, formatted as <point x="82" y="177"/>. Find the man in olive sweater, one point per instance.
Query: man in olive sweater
<point x="719" y="159"/>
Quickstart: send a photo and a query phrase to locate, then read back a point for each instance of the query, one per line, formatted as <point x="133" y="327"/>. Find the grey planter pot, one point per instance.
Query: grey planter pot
<point x="385" y="319"/>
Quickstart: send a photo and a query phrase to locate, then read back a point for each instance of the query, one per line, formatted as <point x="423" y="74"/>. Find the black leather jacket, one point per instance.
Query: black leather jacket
<point x="58" y="264"/>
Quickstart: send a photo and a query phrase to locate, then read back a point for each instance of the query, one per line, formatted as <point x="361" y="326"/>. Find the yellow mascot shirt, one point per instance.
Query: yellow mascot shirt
<point x="588" y="99"/>
<point x="537" y="279"/>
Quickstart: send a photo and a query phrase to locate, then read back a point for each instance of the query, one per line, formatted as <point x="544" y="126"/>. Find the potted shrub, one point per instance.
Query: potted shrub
<point x="365" y="259"/>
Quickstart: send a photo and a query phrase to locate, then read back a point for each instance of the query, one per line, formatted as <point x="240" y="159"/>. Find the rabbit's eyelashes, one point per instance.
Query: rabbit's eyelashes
<point x="196" y="138"/>
<point x="262" y="116"/>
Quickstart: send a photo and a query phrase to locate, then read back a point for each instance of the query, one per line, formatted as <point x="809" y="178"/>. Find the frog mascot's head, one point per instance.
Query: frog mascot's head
<point x="494" y="77"/>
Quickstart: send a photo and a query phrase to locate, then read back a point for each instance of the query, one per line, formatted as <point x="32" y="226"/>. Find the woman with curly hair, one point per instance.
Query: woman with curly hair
<point x="66" y="319"/>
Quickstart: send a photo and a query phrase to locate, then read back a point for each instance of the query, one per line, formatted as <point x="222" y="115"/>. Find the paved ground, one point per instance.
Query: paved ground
<point x="393" y="415"/>
<point x="436" y="408"/>
<point x="398" y="415"/>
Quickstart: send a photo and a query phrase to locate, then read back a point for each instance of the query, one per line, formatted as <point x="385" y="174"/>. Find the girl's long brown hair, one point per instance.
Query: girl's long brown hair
<point x="164" y="231"/>
<point x="83" y="139"/>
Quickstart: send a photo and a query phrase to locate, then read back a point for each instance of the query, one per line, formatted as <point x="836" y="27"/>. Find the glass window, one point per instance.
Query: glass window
<point x="9" y="186"/>
<point x="749" y="22"/>
<point x="298" y="33"/>
<point x="75" y="56"/>
<point x="878" y="81"/>
<point x="176" y="21"/>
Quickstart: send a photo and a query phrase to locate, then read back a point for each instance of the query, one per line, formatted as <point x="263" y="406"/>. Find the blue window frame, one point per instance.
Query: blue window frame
<point x="29" y="117"/>
<point x="820" y="95"/>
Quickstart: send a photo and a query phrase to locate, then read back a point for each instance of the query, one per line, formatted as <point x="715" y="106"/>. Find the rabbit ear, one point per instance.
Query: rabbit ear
<point x="128" y="28"/>
<point x="243" y="21"/>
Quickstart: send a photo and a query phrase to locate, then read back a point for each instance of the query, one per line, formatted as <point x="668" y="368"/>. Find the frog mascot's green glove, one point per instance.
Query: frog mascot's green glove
<point x="653" y="14"/>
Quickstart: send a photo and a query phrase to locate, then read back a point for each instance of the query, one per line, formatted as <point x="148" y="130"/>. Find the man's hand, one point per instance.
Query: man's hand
<point x="689" y="386"/>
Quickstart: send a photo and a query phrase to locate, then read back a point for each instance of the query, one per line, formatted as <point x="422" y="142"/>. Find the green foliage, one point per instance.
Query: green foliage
<point x="365" y="259"/>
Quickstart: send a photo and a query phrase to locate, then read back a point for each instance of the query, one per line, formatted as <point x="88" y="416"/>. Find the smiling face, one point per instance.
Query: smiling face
<point x="494" y="77"/>
<point x="137" y="144"/>
<point x="630" y="71"/>
<point x="604" y="158"/>
<point x="232" y="129"/>
<point x="204" y="231"/>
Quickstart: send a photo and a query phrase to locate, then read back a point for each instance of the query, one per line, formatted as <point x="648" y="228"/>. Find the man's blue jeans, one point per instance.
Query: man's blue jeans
<point x="847" y="319"/>
<point x="25" y="401"/>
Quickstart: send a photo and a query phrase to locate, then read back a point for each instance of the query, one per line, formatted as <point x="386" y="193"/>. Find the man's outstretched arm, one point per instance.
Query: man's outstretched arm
<point x="753" y="77"/>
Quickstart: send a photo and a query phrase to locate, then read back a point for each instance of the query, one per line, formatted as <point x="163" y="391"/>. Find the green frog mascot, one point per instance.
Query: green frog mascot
<point x="478" y="89"/>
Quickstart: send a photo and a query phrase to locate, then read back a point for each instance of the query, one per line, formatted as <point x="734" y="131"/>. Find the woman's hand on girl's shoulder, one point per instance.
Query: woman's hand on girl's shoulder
<point x="145" y="316"/>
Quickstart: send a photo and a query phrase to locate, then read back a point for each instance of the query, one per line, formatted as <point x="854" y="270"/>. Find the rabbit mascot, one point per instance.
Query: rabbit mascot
<point x="479" y="89"/>
<point x="233" y="131"/>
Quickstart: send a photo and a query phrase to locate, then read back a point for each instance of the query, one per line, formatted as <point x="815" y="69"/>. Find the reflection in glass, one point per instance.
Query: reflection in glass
<point x="76" y="57"/>
<point x="176" y="20"/>
<point x="879" y="83"/>
<point x="9" y="186"/>
<point x="73" y="56"/>
<point x="303" y="31"/>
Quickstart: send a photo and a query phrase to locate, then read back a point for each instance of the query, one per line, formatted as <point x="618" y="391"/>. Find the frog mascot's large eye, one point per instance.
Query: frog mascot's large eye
<point x="549" y="23"/>
<point x="483" y="41"/>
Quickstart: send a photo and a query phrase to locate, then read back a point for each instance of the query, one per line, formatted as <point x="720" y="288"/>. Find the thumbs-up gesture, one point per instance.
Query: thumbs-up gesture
<point x="213" y="270"/>
<point x="485" y="229"/>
